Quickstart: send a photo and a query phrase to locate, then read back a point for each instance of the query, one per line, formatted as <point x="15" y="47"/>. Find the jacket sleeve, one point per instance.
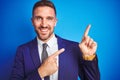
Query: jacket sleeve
<point x="18" y="70"/>
<point x="90" y="70"/>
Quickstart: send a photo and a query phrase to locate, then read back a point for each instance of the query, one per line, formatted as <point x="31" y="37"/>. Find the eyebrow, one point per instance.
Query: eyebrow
<point x="42" y="17"/>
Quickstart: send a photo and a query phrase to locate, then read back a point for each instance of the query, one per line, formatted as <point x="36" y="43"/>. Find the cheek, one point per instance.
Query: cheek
<point x="36" y="25"/>
<point x="53" y="25"/>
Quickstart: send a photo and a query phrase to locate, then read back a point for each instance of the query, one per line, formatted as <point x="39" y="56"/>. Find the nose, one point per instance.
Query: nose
<point x="44" y="23"/>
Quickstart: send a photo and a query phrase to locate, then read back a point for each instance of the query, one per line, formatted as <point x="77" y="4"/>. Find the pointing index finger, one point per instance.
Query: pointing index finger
<point x="58" y="52"/>
<point x="87" y="30"/>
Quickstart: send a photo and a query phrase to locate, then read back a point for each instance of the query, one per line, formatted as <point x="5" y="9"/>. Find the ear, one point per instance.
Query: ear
<point x="56" y="21"/>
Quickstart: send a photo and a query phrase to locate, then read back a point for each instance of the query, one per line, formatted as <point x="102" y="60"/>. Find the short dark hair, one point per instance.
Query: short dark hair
<point x="42" y="3"/>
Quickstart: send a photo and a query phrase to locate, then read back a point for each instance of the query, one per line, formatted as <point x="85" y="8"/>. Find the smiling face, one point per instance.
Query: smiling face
<point x="44" y="21"/>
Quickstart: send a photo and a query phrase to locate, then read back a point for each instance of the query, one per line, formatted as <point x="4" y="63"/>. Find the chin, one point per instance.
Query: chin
<point x="44" y="38"/>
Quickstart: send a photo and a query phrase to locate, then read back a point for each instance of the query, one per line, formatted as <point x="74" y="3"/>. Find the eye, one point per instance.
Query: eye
<point x="38" y="18"/>
<point x="50" y="18"/>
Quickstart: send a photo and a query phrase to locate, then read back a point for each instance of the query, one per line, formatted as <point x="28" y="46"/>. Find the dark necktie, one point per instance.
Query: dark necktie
<point x="44" y="56"/>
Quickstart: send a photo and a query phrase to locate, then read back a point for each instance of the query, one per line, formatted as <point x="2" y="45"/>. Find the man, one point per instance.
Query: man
<point x="67" y="60"/>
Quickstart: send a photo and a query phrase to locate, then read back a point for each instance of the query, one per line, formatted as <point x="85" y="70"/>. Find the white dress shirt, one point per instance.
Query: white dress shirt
<point x="51" y="48"/>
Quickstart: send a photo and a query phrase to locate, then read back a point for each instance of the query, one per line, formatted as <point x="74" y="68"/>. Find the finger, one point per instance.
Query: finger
<point x="86" y="40"/>
<point x="90" y="42"/>
<point x="55" y="61"/>
<point x="58" y="52"/>
<point x="87" y="30"/>
<point x="94" y="44"/>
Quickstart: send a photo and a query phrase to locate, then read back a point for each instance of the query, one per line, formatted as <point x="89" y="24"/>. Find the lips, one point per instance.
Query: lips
<point x="44" y="30"/>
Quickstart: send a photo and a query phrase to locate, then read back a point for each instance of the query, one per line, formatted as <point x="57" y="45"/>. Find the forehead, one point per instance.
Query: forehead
<point x="44" y="10"/>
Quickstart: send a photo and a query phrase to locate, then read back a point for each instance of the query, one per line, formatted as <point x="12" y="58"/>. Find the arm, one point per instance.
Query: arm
<point x="49" y="66"/>
<point x="88" y="49"/>
<point x="91" y="70"/>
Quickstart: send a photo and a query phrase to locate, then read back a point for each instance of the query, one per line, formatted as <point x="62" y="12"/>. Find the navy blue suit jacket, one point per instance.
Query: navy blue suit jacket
<point x="71" y="64"/>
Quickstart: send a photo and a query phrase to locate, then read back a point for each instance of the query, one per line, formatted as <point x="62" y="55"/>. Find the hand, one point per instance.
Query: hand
<point x="49" y="66"/>
<point x="88" y="46"/>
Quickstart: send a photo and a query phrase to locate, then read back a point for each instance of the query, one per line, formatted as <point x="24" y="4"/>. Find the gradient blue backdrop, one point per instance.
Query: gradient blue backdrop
<point x="73" y="17"/>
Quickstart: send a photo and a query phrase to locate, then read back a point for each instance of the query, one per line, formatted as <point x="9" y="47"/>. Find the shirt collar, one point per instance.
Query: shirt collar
<point x="50" y="43"/>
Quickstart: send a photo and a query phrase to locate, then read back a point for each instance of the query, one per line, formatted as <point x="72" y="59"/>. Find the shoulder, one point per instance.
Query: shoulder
<point x="66" y="41"/>
<point x="70" y="42"/>
<point x="26" y="47"/>
<point x="70" y="46"/>
<point x="28" y="44"/>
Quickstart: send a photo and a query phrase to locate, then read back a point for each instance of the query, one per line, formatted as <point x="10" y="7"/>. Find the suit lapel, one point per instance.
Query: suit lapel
<point x="60" y="45"/>
<point x="34" y="53"/>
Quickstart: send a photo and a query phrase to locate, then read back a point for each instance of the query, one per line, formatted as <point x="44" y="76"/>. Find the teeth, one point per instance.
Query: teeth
<point x="43" y="30"/>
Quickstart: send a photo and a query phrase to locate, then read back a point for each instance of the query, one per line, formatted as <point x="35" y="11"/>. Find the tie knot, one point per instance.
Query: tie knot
<point x="45" y="45"/>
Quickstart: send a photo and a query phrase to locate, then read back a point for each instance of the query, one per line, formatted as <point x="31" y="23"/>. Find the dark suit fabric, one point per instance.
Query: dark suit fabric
<point x="71" y="64"/>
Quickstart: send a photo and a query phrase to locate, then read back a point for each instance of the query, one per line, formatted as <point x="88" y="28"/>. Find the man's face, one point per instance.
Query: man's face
<point x="44" y="21"/>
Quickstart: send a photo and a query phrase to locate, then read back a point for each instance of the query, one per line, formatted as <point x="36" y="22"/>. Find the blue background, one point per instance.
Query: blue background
<point x="73" y="17"/>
